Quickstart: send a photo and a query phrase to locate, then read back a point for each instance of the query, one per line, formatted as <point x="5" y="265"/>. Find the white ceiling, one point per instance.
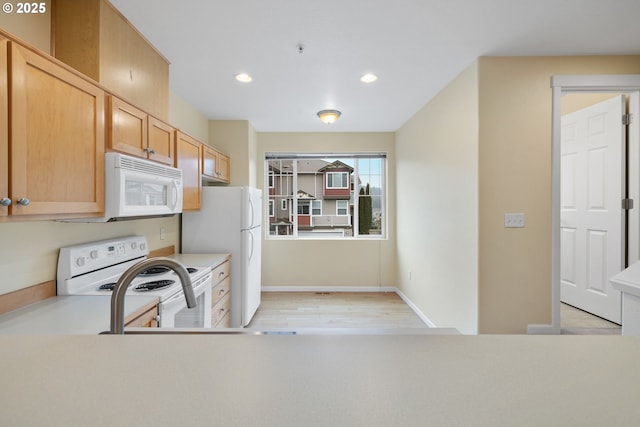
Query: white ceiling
<point x="415" y="47"/>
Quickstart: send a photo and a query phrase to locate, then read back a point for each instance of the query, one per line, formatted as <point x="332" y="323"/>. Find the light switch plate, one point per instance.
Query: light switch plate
<point x="514" y="220"/>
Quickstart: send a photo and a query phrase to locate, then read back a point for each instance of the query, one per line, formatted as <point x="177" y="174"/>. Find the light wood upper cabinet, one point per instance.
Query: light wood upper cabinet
<point x="56" y="144"/>
<point x="95" y="39"/>
<point x="223" y="167"/>
<point x="189" y="159"/>
<point x="215" y="165"/>
<point x="132" y="131"/>
<point x="161" y="141"/>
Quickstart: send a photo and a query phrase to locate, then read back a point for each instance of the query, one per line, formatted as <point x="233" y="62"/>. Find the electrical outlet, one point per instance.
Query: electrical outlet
<point x="514" y="220"/>
<point x="162" y="233"/>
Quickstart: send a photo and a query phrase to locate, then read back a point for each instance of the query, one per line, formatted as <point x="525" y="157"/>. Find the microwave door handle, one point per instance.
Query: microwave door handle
<point x="175" y="195"/>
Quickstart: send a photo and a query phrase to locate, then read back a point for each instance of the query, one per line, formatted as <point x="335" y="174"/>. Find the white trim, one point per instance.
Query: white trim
<point x="346" y="208"/>
<point x="415" y="309"/>
<point x="336" y="289"/>
<point x="327" y="174"/>
<point x="566" y="84"/>
<point x="316" y="201"/>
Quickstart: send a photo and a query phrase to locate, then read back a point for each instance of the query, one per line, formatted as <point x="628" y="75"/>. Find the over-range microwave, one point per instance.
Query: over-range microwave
<point x="138" y="188"/>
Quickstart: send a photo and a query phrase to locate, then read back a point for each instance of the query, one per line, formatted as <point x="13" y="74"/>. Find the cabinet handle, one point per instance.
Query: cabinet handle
<point x="5" y="201"/>
<point x="221" y="291"/>
<point x="221" y="274"/>
<point x="24" y="201"/>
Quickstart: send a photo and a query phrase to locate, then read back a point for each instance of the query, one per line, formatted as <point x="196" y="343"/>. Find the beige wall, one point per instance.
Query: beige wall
<point x="330" y="262"/>
<point x="437" y="205"/>
<point x="515" y="176"/>
<point x="188" y="119"/>
<point x="237" y="139"/>
<point x="33" y="28"/>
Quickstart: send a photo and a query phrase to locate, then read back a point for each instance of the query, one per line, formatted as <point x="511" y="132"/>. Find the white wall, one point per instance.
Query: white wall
<point x="343" y="263"/>
<point x="437" y="206"/>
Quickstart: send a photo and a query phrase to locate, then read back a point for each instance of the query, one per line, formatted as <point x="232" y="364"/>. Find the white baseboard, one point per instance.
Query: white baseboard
<point x="542" y="330"/>
<point x="328" y="289"/>
<point x="413" y="307"/>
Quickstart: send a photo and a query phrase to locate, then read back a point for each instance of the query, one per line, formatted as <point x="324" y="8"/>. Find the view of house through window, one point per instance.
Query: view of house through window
<point x="326" y="196"/>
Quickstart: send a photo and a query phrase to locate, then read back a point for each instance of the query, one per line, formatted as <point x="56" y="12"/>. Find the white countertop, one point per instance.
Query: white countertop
<point x="319" y="380"/>
<point x="201" y="260"/>
<point x="81" y="314"/>
<point x="628" y="280"/>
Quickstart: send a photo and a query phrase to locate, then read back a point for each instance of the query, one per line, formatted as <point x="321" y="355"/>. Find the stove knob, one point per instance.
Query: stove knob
<point x="133" y="245"/>
<point x="80" y="261"/>
<point x="142" y="246"/>
<point x="93" y="254"/>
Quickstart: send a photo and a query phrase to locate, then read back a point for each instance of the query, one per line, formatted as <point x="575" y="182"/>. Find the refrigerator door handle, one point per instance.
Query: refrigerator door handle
<point x="251" y="240"/>
<point x="252" y="212"/>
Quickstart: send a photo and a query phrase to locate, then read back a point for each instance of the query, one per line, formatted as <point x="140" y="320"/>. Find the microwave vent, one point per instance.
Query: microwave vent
<point x="133" y="164"/>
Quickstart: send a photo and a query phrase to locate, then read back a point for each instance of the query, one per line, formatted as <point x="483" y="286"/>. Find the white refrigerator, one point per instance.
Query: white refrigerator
<point x="229" y="221"/>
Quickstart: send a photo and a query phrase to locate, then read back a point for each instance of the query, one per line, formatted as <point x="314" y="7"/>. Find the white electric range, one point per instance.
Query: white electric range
<point x="94" y="268"/>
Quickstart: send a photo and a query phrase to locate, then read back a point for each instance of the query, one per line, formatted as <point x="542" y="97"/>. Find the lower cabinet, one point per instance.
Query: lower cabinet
<point x="146" y="319"/>
<point x="221" y="297"/>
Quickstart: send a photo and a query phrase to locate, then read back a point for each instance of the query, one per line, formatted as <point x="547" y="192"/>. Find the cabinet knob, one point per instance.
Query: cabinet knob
<point x="5" y="201"/>
<point x="24" y="201"/>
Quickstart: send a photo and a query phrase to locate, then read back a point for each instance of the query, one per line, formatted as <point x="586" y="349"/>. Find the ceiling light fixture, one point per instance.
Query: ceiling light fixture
<point x="329" y="116"/>
<point x="243" y="77"/>
<point x="368" y="78"/>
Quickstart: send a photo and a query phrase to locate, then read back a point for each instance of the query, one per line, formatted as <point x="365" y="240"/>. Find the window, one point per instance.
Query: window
<point x="327" y="196"/>
<point x="316" y="207"/>
<point x="342" y="207"/>
<point x="337" y="180"/>
<point x="303" y="207"/>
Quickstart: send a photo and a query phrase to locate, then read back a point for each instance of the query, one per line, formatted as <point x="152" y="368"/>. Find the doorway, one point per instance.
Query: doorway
<point x="593" y="164"/>
<point x="561" y="85"/>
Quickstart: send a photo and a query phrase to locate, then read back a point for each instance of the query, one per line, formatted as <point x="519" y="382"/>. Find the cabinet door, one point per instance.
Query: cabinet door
<point x="188" y="159"/>
<point x="223" y="167"/>
<point x="209" y="161"/>
<point x="57" y="141"/>
<point x="4" y="130"/>
<point x="127" y="128"/>
<point x="161" y="141"/>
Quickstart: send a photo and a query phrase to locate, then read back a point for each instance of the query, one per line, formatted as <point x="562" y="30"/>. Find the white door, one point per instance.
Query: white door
<point x="592" y="188"/>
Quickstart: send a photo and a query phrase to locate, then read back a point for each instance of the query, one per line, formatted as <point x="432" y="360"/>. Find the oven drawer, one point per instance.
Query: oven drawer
<point x="220" y="273"/>
<point x="220" y="290"/>
<point x="220" y="310"/>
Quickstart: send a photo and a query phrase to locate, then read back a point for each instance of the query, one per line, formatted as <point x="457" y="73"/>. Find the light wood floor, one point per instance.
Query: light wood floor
<point x="379" y="310"/>
<point x="574" y="321"/>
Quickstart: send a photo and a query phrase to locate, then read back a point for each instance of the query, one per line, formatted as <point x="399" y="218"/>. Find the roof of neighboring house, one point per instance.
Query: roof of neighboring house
<point x="305" y="195"/>
<point x="336" y="165"/>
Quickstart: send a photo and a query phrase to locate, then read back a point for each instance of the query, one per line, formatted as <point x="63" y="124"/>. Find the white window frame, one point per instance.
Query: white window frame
<point x="345" y="208"/>
<point x="302" y="204"/>
<point x="353" y="160"/>
<point x="341" y="187"/>
<point x="272" y="179"/>
<point x="320" y="208"/>
<point x="283" y="204"/>
<point x="272" y="212"/>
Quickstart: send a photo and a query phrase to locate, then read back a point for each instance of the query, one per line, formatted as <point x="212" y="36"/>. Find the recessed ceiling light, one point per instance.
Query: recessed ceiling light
<point x="369" y="78"/>
<point x="243" y="77"/>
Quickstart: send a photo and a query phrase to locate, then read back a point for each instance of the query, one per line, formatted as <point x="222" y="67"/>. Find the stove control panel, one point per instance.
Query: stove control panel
<point x="88" y="257"/>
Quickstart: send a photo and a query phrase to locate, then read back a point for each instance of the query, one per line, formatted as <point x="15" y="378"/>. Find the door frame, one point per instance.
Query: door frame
<point x="563" y="84"/>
